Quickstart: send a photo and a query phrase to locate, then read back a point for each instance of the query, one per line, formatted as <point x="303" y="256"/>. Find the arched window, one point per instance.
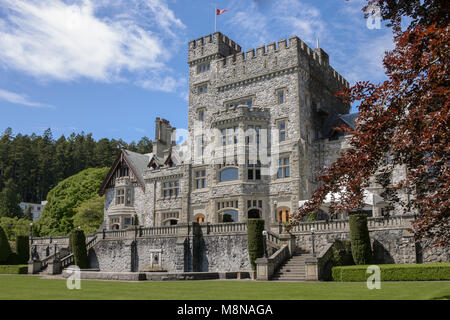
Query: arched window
<point x="115" y="227"/>
<point x="283" y="215"/>
<point x="254" y="214"/>
<point x="200" y="218"/>
<point x="228" y="215"/>
<point x="229" y="174"/>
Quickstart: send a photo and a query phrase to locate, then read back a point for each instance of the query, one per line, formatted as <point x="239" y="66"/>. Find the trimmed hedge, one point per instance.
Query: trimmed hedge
<point x="360" y="240"/>
<point x="15" y="269"/>
<point x="5" y="248"/>
<point x="77" y="242"/>
<point x="395" y="272"/>
<point x="255" y="240"/>
<point x="342" y="253"/>
<point x="23" y="249"/>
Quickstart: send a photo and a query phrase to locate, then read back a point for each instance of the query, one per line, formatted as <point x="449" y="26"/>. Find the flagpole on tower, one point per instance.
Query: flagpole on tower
<point x="215" y="18"/>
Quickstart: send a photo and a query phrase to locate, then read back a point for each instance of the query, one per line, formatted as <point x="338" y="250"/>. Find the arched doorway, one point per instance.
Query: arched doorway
<point x="283" y="215"/>
<point x="254" y="214"/>
<point x="200" y="218"/>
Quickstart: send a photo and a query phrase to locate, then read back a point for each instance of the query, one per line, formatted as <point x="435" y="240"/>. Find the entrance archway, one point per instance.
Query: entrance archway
<point x="200" y="218"/>
<point x="283" y="215"/>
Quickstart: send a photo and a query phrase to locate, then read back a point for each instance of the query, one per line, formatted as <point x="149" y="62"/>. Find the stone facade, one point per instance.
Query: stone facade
<point x="272" y="105"/>
<point x="275" y="106"/>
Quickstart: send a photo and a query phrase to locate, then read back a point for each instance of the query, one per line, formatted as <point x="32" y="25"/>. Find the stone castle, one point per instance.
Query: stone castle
<point x="260" y="127"/>
<point x="282" y="96"/>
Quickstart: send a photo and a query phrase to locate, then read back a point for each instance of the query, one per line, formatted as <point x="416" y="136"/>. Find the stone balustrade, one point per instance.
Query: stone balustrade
<point x="373" y="223"/>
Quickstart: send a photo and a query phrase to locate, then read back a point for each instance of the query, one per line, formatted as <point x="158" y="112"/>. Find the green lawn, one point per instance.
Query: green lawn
<point x="34" y="287"/>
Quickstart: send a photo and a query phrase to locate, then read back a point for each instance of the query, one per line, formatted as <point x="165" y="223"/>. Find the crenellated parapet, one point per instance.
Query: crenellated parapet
<point x="211" y="46"/>
<point x="275" y="59"/>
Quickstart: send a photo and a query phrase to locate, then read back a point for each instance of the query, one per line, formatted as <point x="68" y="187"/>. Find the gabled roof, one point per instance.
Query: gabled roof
<point x="349" y="119"/>
<point x="342" y="119"/>
<point x="174" y="157"/>
<point x="136" y="162"/>
<point x="154" y="159"/>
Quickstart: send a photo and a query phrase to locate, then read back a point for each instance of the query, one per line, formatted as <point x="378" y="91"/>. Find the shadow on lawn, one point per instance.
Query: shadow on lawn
<point x="441" y="298"/>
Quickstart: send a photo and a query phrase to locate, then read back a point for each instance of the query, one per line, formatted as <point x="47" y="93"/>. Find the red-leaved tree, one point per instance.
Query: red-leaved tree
<point x="407" y="117"/>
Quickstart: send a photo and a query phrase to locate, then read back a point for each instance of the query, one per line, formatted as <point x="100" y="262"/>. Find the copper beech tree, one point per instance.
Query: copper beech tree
<point x="405" y="117"/>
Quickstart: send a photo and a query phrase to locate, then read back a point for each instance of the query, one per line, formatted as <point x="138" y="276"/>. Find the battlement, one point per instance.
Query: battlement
<point x="212" y="44"/>
<point x="275" y="56"/>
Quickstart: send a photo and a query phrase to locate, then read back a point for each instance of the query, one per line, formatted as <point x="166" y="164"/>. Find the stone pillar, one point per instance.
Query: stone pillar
<point x="34" y="266"/>
<point x="311" y="269"/>
<point x="264" y="268"/>
<point x="54" y="266"/>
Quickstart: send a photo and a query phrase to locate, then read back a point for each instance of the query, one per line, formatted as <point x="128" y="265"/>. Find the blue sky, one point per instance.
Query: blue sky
<point x="111" y="66"/>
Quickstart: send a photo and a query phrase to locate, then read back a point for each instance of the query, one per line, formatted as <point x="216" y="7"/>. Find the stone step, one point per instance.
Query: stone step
<point x="293" y="274"/>
<point x="292" y="270"/>
<point x="289" y="278"/>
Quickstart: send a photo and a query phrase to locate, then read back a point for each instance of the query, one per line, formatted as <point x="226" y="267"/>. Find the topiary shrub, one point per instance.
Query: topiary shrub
<point x="5" y="249"/>
<point x="360" y="240"/>
<point x="77" y="242"/>
<point x="255" y="240"/>
<point x="342" y="253"/>
<point x="23" y="249"/>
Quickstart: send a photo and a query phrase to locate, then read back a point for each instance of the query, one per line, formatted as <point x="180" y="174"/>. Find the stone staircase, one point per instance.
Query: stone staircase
<point x="65" y="257"/>
<point x="293" y="269"/>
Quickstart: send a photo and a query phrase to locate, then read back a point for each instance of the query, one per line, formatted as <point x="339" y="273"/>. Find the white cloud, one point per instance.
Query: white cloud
<point x="164" y="16"/>
<point x="355" y="51"/>
<point x="51" y="39"/>
<point x="166" y="84"/>
<point x="290" y="17"/>
<point x="367" y="61"/>
<point x="21" y="99"/>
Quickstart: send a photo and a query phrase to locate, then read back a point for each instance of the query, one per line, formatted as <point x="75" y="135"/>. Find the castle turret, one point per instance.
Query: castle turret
<point x="217" y="45"/>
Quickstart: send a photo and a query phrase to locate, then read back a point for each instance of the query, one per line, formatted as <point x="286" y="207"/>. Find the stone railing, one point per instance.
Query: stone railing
<point x="224" y="228"/>
<point x="111" y="234"/>
<point x="176" y="230"/>
<point x="343" y="225"/>
<point x="156" y="231"/>
<point x="266" y="267"/>
<point x="273" y="238"/>
<point x="67" y="261"/>
<point x="60" y="240"/>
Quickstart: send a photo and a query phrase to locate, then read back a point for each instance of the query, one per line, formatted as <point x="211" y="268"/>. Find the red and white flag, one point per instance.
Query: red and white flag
<point x="219" y="12"/>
